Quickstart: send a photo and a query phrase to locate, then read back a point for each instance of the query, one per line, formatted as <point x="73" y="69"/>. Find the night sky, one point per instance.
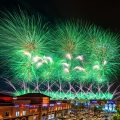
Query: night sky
<point x="105" y="13"/>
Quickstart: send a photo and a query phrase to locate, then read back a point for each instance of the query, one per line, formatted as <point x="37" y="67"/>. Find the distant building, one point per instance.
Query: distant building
<point x="31" y="106"/>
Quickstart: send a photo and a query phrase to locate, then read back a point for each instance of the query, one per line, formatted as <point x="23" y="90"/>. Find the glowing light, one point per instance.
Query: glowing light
<point x="68" y="56"/>
<point x="49" y="59"/>
<point x="96" y="67"/>
<point x="79" y="68"/>
<point x="66" y="70"/>
<point x="105" y="62"/>
<point x="27" y="53"/>
<point x="80" y="57"/>
<point x="65" y="64"/>
<point x="36" y="59"/>
<point x="44" y="61"/>
<point x="39" y="64"/>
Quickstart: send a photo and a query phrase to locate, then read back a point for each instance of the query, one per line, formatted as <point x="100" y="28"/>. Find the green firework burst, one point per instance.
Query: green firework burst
<point x="22" y="38"/>
<point x="74" y="52"/>
<point x="89" y="53"/>
<point x="103" y="53"/>
<point x="69" y="38"/>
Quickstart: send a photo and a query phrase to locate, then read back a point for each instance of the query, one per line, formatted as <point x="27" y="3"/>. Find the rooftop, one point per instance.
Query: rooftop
<point x="33" y="95"/>
<point x="5" y="95"/>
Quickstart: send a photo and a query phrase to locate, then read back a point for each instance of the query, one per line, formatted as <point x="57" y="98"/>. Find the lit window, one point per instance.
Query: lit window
<point x="24" y="113"/>
<point x="17" y="113"/>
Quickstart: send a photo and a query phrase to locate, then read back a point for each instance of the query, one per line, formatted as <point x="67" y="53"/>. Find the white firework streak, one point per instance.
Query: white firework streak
<point x="69" y="92"/>
<point x="80" y="57"/>
<point x="79" y="68"/>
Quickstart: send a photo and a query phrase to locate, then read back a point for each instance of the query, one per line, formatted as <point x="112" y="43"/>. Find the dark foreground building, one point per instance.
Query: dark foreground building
<point x="31" y="106"/>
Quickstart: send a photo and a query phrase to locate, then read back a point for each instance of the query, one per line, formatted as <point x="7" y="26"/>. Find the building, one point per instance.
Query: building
<point x="6" y="106"/>
<point x="31" y="106"/>
<point x="58" y="108"/>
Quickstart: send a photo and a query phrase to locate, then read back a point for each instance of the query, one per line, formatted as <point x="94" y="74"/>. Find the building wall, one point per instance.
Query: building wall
<point x="24" y="110"/>
<point x="6" y="112"/>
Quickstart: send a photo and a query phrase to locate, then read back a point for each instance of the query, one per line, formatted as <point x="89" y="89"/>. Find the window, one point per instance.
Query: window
<point x="24" y="113"/>
<point x="6" y="113"/>
<point x="17" y="113"/>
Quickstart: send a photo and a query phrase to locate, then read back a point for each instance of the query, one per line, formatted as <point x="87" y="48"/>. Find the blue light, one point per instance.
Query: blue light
<point x="51" y="105"/>
<point x="27" y="105"/>
<point x="110" y="101"/>
<point x="109" y="107"/>
<point x="58" y="103"/>
<point x="93" y="101"/>
<point x="16" y="105"/>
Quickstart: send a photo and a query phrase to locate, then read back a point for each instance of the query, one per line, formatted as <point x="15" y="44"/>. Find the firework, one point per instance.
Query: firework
<point x="89" y="53"/>
<point x="51" y="71"/>
<point x="23" y="43"/>
<point x="69" y="39"/>
<point x="69" y="91"/>
<point x="103" y="53"/>
<point x="72" y="52"/>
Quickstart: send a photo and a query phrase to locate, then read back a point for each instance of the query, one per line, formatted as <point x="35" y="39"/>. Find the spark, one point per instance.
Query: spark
<point x="96" y="67"/>
<point x="105" y="62"/>
<point x="80" y="57"/>
<point x="36" y="59"/>
<point x="66" y="70"/>
<point x="49" y="59"/>
<point x="65" y="64"/>
<point x="27" y="53"/>
<point x="39" y="64"/>
<point x="44" y="61"/>
<point x="68" y="56"/>
<point x="79" y="68"/>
